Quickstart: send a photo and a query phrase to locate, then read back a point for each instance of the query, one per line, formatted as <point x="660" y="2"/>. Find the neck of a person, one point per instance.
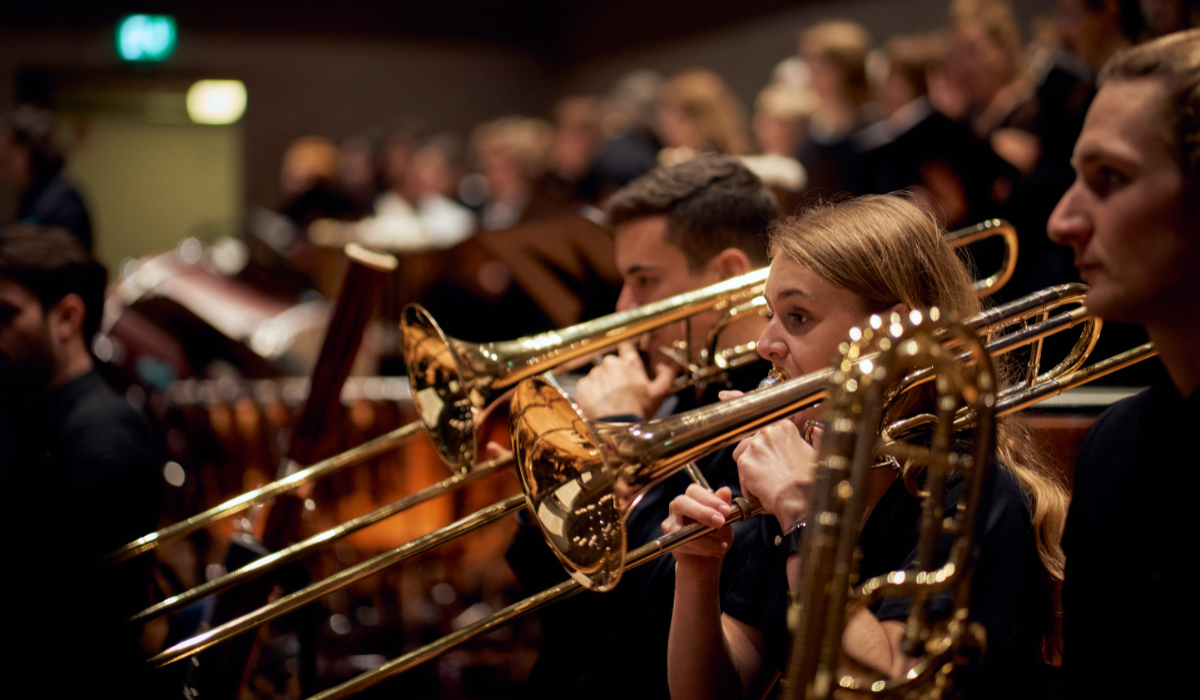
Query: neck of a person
<point x="1178" y="345"/>
<point x="72" y="362"/>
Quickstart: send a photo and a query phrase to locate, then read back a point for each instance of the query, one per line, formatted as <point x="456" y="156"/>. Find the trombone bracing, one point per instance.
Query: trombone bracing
<point x="454" y="382"/>
<point x="634" y="458"/>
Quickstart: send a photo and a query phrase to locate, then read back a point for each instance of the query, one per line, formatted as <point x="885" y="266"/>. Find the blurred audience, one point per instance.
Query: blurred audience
<point x="358" y="170"/>
<point x="632" y="145"/>
<point x="308" y="182"/>
<point x="430" y="183"/>
<point x="916" y="148"/>
<point x="835" y="53"/>
<point x="578" y="138"/>
<point x="987" y="63"/>
<point x="698" y="113"/>
<point x="512" y="154"/>
<point x="31" y="166"/>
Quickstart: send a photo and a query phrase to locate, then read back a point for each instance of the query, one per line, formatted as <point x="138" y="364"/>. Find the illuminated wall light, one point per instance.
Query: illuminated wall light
<point x="146" y="38"/>
<point x="216" y="101"/>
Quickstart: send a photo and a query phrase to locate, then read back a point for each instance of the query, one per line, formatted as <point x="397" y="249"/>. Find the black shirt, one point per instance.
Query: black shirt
<point x="82" y="471"/>
<point x="587" y="637"/>
<point x="1127" y="609"/>
<point x="1009" y="592"/>
<point x="56" y="203"/>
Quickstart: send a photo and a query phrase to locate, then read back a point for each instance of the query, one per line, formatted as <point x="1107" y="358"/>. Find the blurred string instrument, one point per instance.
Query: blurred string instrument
<point x="573" y="470"/>
<point x="455" y="383"/>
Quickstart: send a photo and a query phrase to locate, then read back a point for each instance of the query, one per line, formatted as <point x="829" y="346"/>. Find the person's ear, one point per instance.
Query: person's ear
<point x="66" y="317"/>
<point x="732" y="262"/>
<point x="899" y="308"/>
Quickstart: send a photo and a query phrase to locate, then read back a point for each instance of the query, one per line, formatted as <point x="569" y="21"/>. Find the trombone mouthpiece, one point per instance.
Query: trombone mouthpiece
<point x="773" y="377"/>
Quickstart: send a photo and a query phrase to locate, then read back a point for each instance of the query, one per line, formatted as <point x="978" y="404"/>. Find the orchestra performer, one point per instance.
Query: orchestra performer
<point x="678" y="229"/>
<point x="1131" y="219"/>
<point x="831" y="268"/>
<point x="80" y="466"/>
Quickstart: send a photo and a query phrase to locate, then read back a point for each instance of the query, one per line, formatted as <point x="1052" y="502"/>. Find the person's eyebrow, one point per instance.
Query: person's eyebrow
<point x="792" y="292"/>
<point x="641" y="267"/>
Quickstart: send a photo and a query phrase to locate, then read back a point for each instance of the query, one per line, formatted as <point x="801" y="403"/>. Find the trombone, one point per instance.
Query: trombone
<point x="454" y="383"/>
<point x="741" y="510"/>
<point x="550" y="439"/>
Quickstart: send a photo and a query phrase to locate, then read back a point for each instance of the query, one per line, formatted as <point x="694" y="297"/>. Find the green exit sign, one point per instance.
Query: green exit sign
<point x="146" y="38"/>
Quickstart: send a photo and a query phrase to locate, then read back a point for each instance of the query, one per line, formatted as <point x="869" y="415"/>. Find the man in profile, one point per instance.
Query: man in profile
<point x="1131" y="218"/>
<point x="80" y="467"/>
<point x="677" y="229"/>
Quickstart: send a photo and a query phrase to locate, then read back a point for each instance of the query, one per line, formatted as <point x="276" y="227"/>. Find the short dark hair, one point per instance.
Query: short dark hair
<point x="51" y="263"/>
<point x="33" y="128"/>
<point x="1175" y="60"/>
<point x="1129" y="14"/>
<point x="712" y="203"/>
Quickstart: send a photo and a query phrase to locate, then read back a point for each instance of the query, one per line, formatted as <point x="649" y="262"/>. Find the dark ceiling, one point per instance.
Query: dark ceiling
<point x="557" y="30"/>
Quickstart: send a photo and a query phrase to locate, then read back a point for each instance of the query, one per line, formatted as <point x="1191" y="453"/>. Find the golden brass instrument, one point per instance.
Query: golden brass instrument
<point x="635" y="456"/>
<point x="454" y="383"/>
<point x="581" y="477"/>
<point x="825" y="600"/>
<point x="741" y="511"/>
<point x="1008" y="264"/>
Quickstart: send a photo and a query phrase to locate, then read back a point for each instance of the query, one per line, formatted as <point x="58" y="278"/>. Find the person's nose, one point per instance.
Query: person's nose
<point x="771" y="344"/>
<point x="626" y="300"/>
<point x="1069" y="223"/>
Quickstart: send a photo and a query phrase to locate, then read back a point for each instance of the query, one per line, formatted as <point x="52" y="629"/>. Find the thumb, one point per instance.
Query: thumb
<point x="664" y="378"/>
<point x="816" y="438"/>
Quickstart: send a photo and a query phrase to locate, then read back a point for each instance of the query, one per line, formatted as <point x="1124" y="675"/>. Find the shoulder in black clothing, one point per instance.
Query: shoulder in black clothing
<point x="57" y="203"/>
<point x="1127" y="538"/>
<point x="1008" y="595"/>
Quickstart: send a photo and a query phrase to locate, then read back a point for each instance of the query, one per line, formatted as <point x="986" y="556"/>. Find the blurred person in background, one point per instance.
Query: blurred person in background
<point x="433" y="171"/>
<point x="1087" y="33"/>
<point x="394" y="225"/>
<point x="698" y="113"/>
<point x="631" y="145"/>
<point x="512" y="154"/>
<point x="308" y="183"/>
<point x="953" y="175"/>
<point x="67" y="439"/>
<point x="358" y="170"/>
<point x="578" y="137"/>
<point x="836" y="55"/>
<point x="987" y="63"/>
<point x="31" y="166"/>
<point x="781" y="114"/>
<point x="1167" y="16"/>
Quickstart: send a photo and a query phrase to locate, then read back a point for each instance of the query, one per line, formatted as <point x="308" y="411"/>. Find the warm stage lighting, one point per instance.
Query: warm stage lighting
<point x="216" y="101"/>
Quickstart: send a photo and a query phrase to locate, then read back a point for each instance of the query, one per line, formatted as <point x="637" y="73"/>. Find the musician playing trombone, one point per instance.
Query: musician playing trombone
<point x="1131" y="219"/>
<point x="832" y="268"/>
<point x="677" y="229"/>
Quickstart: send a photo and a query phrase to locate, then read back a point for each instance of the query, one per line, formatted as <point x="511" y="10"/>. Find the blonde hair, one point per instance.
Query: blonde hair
<point x="525" y="140"/>
<point x="844" y="44"/>
<point x="999" y="25"/>
<point x="701" y="96"/>
<point x="886" y="250"/>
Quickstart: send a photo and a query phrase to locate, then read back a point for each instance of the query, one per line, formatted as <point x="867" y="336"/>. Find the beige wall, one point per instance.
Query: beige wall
<point x="148" y="186"/>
